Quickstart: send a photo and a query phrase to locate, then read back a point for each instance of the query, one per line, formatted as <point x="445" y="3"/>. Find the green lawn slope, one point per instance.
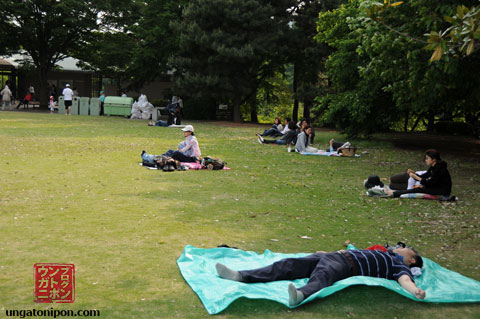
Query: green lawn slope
<point x="71" y="191"/>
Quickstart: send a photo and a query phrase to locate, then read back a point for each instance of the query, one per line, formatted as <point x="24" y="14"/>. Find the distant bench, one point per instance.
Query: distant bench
<point x="26" y="106"/>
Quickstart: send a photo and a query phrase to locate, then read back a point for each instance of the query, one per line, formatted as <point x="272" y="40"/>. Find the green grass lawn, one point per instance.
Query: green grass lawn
<point x="72" y="192"/>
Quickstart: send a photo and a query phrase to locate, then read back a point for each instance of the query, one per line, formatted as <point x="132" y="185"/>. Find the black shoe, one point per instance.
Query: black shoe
<point x="143" y="152"/>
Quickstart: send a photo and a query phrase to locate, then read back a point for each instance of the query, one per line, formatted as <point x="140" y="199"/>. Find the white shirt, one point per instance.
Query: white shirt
<point x="68" y="94"/>
<point x="190" y="147"/>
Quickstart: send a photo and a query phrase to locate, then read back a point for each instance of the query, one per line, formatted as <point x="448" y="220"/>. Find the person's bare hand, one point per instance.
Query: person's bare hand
<point x="410" y="171"/>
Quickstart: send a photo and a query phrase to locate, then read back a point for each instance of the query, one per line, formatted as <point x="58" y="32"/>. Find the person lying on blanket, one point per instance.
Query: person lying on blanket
<point x="436" y="181"/>
<point x="336" y="146"/>
<point x="324" y="269"/>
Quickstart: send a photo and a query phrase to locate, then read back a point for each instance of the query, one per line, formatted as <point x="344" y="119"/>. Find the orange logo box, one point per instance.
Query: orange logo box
<point x="54" y="283"/>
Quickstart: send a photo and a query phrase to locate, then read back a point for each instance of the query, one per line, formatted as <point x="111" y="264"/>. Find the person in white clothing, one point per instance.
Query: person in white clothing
<point x="188" y="150"/>
<point x="6" y="98"/>
<point x="68" y="97"/>
<point x="31" y="90"/>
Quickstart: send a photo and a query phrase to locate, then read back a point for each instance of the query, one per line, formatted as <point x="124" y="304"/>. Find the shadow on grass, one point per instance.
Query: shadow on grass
<point x="352" y="302"/>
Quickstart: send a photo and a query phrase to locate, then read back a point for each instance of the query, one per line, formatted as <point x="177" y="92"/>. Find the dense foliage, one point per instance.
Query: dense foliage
<point x="380" y="71"/>
<point x="364" y="66"/>
<point x="228" y="58"/>
<point x="47" y="30"/>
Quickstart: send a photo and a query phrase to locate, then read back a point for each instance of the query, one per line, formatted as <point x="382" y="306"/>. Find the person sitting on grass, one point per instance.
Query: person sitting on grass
<point x="303" y="141"/>
<point x="403" y="181"/>
<point x="188" y="150"/>
<point x="301" y="126"/>
<point x="324" y="269"/>
<point x="286" y="139"/>
<point x="436" y="181"/>
<point x="275" y="130"/>
<point x="285" y="127"/>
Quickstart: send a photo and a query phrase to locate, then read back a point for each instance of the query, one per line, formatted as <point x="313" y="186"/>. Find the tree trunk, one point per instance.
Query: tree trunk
<point x="295" y="98"/>
<point x="405" y="123"/>
<point x="42" y="91"/>
<point x="307" y="105"/>
<point x="237" y="115"/>
<point x="253" y="108"/>
<point x="431" y="122"/>
<point x="416" y="122"/>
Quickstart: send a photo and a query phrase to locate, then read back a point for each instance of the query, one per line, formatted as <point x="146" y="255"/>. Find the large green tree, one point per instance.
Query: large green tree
<point x="136" y="46"/>
<point x="387" y="70"/>
<point x="48" y="30"/>
<point x="307" y="55"/>
<point x="228" y="48"/>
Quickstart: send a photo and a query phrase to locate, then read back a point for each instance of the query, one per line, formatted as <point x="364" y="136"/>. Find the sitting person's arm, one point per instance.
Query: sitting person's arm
<point x="187" y="146"/>
<point x="181" y="145"/>
<point x="416" y="177"/>
<point x="411" y="287"/>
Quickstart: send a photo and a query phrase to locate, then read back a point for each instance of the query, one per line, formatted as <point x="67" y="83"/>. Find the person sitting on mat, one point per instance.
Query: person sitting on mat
<point x="303" y="141"/>
<point x="436" y="181"/>
<point x="301" y="126"/>
<point x="286" y="139"/>
<point x="324" y="269"/>
<point x="403" y="181"/>
<point x="188" y="150"/>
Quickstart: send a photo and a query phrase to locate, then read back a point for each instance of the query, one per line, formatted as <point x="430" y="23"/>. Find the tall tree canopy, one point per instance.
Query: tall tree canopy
<point x="381" y="74"/>
<point x="47" y="30"/>
<point x="138" y="43"/>
<point x="307" y="55"/>
<point x="227" y="48"/>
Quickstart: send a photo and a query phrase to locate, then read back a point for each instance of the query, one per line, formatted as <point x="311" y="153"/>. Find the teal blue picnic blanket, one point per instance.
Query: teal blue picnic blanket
<point x="197" y="266"/>
<point x="321" y="153"/>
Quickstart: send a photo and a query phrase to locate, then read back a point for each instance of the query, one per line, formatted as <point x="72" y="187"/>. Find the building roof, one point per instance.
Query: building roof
<point x="4" y="62"/>
<point x="67" y="64"/>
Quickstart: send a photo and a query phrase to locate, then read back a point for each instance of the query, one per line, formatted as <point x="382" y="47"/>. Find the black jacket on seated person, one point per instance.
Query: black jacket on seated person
<point x="438" y="177"/>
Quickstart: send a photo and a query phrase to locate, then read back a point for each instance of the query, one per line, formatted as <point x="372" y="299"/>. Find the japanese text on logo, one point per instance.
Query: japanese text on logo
<point x="54" y="283"/>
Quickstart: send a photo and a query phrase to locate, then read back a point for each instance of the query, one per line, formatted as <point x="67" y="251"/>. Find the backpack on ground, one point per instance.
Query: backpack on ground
<point x="212" y="163"/>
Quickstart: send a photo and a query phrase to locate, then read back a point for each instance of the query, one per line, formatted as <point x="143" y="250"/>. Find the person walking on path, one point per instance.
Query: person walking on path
<point x="68" y="96"/>
<point x="101" y="98"/>
<point x="6" y="98"/>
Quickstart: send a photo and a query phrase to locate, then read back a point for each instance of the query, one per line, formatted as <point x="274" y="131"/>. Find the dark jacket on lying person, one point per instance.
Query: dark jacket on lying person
<point x="438" y="177"/>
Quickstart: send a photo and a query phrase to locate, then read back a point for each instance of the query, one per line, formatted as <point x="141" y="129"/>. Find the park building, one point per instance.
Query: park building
<point x="88" y="83"/>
